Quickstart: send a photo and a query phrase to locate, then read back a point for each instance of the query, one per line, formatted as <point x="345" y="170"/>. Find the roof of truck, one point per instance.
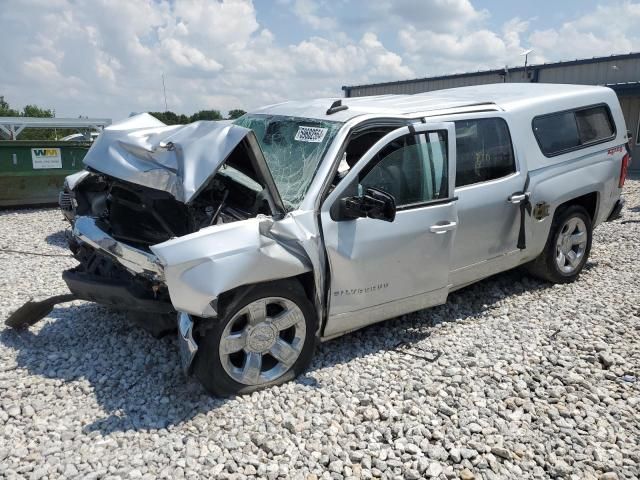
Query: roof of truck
<point x="504" y="96"/>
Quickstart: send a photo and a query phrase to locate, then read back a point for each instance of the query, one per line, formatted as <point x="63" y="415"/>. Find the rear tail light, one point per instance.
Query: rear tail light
<point x="623" y="170"/>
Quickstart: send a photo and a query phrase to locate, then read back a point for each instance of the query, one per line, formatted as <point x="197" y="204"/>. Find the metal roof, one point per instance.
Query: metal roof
<point x="505" y="96"/>
<point x="622" y="87"/>
<point x="498" y="71"/>
<point x="12" y="126"/>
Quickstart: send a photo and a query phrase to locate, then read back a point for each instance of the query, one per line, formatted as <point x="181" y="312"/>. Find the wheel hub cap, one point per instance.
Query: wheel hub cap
<point x="261" y="338"/>
<point x="571" y="245"/>
<point x="262" y="341"/>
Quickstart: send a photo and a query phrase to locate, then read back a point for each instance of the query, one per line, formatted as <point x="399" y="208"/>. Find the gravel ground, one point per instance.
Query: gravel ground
<point x="512" y="378"/>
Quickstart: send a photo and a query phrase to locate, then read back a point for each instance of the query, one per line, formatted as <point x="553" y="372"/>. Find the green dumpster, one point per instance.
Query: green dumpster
<point x="32" y="172"/>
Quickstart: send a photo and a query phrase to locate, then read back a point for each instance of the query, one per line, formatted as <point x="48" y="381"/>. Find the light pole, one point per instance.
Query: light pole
<point x="526" y="57"/>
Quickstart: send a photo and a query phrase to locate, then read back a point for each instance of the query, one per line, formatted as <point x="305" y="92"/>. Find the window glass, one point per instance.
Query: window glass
<point x="412" y="168"/>
<point x="556" y="132"/>
<point x="568" y="130"/>
<point x="483" y="151"/>
<point x="594" y="124"/>
<point x="293" y="148"/>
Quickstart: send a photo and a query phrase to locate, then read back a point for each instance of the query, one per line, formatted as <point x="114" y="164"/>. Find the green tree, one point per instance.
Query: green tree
<point x="40" y="133"/>
<point x="168" y="117"/>
<point x="206" y="115"/>
<point x="6" y="110"/>
<point x="236" y="113"/>
<point x="35" y="111"/>
<point x="172" y="118"/>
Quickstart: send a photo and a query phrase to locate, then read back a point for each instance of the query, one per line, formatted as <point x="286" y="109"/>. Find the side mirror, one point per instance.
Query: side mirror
<point x="373" y="204"/>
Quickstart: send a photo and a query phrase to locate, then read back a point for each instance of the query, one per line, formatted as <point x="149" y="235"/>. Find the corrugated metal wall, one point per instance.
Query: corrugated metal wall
<point x="598" y="71"/>
<point x="424" y="85"/>
<point x="631" y="110"/>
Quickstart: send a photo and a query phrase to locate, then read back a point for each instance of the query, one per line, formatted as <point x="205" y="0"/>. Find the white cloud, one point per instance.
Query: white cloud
<point x="366" y="60"/>
<point x="438" y="53"/>
<point x="434" y="15"/>
<point x="187" y="56"/>
<point x="611" y="28"/>
<point x="512" y="31"/>
<point x="307" y="11"/>
<point x="213" y="55"/>
<point x="106" y="58"/>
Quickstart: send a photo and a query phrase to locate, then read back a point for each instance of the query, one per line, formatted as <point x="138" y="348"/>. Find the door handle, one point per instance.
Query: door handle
<point x="517" y="198"/>
<point x="440" y="228"/>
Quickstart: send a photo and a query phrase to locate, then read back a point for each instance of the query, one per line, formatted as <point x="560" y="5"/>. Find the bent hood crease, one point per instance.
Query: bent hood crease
<point x="178" y="159"/>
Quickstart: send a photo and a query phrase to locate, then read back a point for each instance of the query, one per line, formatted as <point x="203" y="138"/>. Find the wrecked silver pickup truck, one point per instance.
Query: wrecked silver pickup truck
<point x="305" y="220"/>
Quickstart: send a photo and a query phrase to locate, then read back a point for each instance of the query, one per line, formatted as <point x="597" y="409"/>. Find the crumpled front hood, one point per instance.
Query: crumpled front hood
<point x="178" y="159"/>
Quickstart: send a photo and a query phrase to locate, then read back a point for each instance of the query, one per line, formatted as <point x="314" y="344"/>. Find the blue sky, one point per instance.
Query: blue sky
<point x="107" y="57"/>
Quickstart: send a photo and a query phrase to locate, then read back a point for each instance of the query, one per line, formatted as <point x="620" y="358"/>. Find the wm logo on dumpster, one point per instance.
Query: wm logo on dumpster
<point x="46" y="158"/>
<point x="46" y="152"/>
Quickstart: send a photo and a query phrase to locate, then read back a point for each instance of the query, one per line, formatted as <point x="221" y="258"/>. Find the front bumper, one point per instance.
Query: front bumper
<point x="136" y="261"/>
<point x="113" y="273"/>
<point x="119" y="294"/>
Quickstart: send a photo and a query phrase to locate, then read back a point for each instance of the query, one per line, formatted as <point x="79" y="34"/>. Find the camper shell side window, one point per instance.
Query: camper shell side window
<point x="569" y="130"/>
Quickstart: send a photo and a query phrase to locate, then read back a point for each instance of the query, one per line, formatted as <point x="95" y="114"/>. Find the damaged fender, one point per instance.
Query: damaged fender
<point x="200" y="266"/>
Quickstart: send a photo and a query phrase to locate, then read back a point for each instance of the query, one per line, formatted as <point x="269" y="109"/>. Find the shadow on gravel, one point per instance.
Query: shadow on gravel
<point x="57" y="239"/>
<point x="138" y="381"/>
<point x="404" y="333"/>
<point x="590" y="265"/>
<point x="134" y="377"/>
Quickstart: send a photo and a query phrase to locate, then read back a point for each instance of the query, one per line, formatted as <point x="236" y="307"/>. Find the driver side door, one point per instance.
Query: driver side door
<point x="381" y="269"/>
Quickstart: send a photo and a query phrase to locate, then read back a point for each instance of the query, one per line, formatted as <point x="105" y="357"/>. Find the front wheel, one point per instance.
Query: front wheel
<point x="266" y="336"/>
<point x="567" y="248"/>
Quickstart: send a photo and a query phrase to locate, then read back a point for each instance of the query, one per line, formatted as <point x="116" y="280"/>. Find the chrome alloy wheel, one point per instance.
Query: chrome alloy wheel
<point x="571" y="245"/>
<point x="262" y="341"/>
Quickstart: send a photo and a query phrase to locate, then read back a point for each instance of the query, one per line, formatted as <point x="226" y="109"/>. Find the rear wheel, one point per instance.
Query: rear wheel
<point x="567" y="248"/>
<point x="266" y="337"/>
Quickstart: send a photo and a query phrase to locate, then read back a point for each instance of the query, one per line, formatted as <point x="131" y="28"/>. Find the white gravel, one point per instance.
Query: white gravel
<point x="532" y="381"/>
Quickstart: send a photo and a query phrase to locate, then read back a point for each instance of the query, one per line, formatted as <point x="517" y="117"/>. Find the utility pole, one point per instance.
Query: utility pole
<point x="164" y="89"/>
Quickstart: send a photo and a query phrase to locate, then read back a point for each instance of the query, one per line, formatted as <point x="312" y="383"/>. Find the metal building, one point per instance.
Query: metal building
<point x="619" y="72"/>
<point x="11" y="127"/>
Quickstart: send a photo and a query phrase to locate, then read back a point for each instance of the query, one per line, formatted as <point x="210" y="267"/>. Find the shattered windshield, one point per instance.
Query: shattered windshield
<point x="293" y="148"/>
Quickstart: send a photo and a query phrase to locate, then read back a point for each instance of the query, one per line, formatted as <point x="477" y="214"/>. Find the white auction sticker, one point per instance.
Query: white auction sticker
<point x="310" y="134"/>
<point x="46" y="158"/>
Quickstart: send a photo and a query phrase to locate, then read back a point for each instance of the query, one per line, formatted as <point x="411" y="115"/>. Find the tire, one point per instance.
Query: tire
<point x="547" y="266"/>
<point x="228" y="367"/>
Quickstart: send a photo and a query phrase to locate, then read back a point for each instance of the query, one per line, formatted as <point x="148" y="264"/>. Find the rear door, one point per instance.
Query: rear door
<point x="382" y="269"/>
<point x="489" y="189"/>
